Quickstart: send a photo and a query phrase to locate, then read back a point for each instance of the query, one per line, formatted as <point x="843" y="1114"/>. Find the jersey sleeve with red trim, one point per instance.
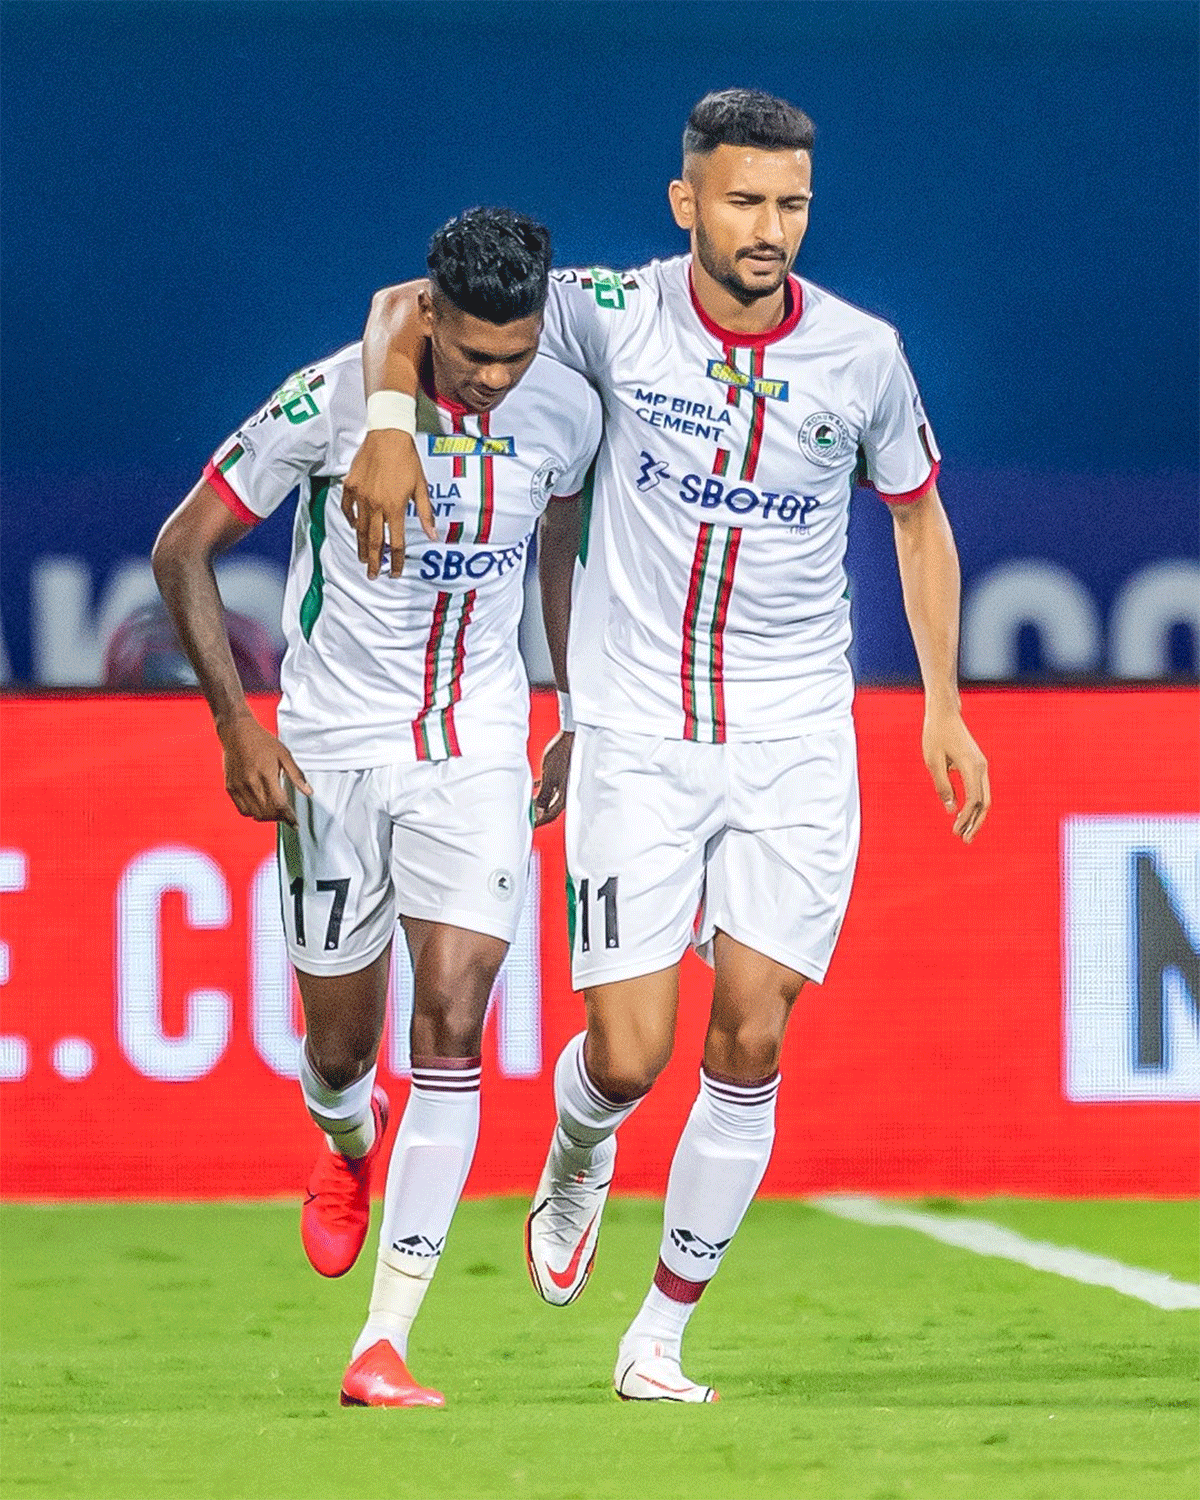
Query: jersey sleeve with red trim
<point x="287" y="439"/>
<point x="902" y="454"/>
<point x="577" y="322"/>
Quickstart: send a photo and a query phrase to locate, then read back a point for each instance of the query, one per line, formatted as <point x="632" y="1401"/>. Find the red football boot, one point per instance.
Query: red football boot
<point x="379" y="1377"/>
<point x="337" y="1207"/>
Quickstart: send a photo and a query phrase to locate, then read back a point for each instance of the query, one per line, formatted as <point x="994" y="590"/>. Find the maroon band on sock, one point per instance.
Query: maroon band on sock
<point x="447" y="1075"/>
<point x="739" y="1083"/>
<point x="678" y="1288"/>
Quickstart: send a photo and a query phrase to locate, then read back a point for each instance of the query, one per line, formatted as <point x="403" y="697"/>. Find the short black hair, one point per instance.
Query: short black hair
<point x="746" y="117"/>
<point x="492" y="263"/>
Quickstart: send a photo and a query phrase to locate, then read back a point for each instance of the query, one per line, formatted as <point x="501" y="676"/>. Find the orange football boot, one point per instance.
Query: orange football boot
<point x="379" y="1377"/>
<point x="337" y="1207"/>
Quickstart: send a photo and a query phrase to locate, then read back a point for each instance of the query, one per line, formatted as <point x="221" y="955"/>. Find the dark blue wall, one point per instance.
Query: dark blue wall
<point x="199" y="197"/>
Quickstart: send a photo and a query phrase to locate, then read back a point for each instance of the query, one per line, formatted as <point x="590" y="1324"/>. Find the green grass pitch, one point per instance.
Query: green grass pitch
<point x="187" y="1350"/>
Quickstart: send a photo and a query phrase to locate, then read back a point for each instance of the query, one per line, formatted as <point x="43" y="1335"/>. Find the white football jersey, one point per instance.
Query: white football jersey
<point x="423" y="666"/>
<point x="710" y="602"/>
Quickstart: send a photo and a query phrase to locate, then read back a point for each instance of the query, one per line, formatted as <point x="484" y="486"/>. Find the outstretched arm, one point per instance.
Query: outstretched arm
<point x="558" y="546"/>
<point x="386" y="473"/>
<point x="929" y="575"/>
<point x="197" y="532"/>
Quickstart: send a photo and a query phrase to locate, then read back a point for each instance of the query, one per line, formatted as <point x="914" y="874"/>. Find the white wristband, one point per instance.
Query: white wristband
<point x="391" y="409"/>
<point x="566" y="719"/>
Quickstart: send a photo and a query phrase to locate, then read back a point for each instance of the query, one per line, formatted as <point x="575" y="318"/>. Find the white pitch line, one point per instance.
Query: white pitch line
<point x="1155" y="1287"/>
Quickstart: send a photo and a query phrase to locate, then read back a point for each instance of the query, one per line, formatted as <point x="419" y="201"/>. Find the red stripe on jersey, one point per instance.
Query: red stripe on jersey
<point x="793" y="311"/>
<point x="910" y="495"/>
<point x="432" y="646"/>
<point x="488" y="503"/>
<point x="454" y="532"/>
<point x="217" y="480"/>
<point x="460" y="463"/>
<point x="720" y="614"/>
<point x="721" y="462"/>
<point x="692" y="609"/>
<point x="457" y="671"/>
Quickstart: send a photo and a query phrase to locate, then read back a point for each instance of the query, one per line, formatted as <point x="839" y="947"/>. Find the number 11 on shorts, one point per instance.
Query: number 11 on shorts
<point x="608" y="894"/>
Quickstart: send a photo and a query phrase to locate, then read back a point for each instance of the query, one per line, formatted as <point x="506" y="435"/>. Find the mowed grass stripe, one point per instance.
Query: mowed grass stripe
<point x="984" y="1238"/>
<point x="172" y="1351"/>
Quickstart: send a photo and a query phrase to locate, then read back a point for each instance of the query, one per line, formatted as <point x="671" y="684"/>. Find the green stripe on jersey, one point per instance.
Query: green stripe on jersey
<point x="314" y="597"/>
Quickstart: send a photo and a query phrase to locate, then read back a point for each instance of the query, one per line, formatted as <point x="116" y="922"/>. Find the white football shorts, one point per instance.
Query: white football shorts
<point x="669" y="840"/>
<point x="446" y="840"/>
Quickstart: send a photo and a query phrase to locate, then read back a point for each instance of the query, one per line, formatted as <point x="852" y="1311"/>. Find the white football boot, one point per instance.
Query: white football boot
<point x="648" y="1370"/>
<point x="564" y="1218"/>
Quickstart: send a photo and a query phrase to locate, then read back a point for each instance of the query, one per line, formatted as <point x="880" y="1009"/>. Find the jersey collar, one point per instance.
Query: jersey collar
<point x="793" y="311"/>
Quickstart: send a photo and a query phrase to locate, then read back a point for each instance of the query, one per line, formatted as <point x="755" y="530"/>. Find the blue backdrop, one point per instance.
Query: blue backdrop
<point x="200" y="197"/>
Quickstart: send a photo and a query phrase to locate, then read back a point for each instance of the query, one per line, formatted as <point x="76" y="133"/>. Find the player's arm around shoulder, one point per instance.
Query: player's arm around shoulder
<point x="386" y="473"/>
<point x="198" y="531"/>
<point x="929" y="574"/>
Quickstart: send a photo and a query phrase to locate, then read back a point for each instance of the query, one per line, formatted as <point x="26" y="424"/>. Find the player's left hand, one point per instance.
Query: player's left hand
<point x="948" y="745"/>
<point x="550" y="796"/>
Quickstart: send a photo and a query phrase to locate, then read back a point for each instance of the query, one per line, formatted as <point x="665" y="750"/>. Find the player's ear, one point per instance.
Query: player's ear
<point x="425" y="310"/>
<point x="683" y="203"/>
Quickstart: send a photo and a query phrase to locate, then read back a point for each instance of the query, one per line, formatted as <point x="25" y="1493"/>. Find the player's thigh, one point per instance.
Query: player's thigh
<point x="753" y="997"/>
<point x="335" y="882"/>
<point x="631" y="1032"/>
<point x="343" y="1018"/>
<point x="779" y="877"/>
<point x="454" y="970"/>
<point x="640" y="811"/>
<point x="462" y="836"/>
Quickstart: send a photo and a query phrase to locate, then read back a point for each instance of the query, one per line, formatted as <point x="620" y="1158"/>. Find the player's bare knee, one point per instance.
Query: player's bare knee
<point x="746" y="1050"/>
<point x="339" y="1061"/>
<point x="623" y="1077"/>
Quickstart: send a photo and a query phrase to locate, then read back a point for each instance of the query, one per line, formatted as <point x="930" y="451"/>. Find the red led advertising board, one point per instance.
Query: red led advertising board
<point x="1019" y="1016"/>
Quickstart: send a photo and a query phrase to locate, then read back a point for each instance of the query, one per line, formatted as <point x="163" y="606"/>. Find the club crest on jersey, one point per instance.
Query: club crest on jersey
<point x="825" y="438"/>
<point x="757" y="385"/>
<point x="541" y="486"/>
<point x="462" y="445"/>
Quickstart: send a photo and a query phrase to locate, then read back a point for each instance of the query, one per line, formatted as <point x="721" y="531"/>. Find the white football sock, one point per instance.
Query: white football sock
<point x="430" y="1161"/>
<point x="344" y="1115"/>
<point x="585" y="1116"/>
<point x="718" y="1165"/>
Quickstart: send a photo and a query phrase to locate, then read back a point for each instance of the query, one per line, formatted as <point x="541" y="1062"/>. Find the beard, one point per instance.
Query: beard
<point x="725" y="271"/>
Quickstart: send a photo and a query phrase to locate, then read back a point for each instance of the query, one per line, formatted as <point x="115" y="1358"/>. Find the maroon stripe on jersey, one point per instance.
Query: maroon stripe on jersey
<point x="432" y="646"/>
<point x="720" y="614"/>
<point x="757" y="419"/>
<point x="678" y="1288"/>
<point x="721" y="462"/>
<point x="691" y="723"/>
<point x="454" y="532"/>
<point x="487" y="481"/>
<point x="457" y="671"/>
<point x="460" y="463"/>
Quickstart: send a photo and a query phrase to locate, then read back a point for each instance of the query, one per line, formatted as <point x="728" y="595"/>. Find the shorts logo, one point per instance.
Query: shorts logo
<point x="652" y="472"/>
<point x="825" y="439"/>
<point x="501" y="884"/>
<point x="461" y="445"/>
<point x="541" y="487"/>
<point x="771" y="390"/>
